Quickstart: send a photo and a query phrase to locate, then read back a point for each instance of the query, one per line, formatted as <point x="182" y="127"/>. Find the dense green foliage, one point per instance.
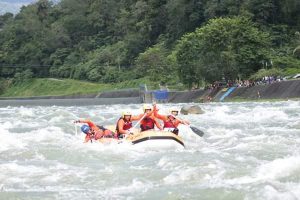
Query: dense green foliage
<point x="263" y="73"/>
<point x="110" y="41"/>
<point x="226" y="48"/>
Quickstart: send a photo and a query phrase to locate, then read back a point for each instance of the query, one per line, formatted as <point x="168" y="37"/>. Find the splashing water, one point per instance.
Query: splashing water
<point x="249" y="151"/>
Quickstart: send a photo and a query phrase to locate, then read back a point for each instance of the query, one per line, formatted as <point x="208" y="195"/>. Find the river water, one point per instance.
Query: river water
<point x="249" y="151"/>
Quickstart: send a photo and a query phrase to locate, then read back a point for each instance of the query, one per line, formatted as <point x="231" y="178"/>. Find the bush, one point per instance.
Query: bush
<point x="21" y="77"/>
<point x="267" y="72"/>
<point x="111" y="75"/>
<point x="291" y="71"/>
<point x="60" y="72"/>
<point x="2" y="86"/>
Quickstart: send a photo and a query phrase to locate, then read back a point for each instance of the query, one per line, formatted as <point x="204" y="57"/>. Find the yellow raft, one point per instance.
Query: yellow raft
<point x="150" y="138"/>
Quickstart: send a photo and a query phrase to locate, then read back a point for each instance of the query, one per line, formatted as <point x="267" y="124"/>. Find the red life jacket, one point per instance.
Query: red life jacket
<point x="147" y="124"/>
<point x="169" y="123"/>
<point x="127" y="125"/>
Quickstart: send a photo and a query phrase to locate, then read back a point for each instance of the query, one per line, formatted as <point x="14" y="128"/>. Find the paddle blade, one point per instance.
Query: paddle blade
<point x="197" y="131"/>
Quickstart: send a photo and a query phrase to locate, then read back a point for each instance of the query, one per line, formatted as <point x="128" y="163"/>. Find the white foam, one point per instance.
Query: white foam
<point x="250" y="148"/>
<point x="274" y="170"/>
<point x="26" y="112"/>
<point x="279" y="168"/>
<point x="136" y="186"/>
<point x="9" y="141"/>
<point x="181" y="176"/>
<point x="273" y="193"/>
<point x="165" y="163"/>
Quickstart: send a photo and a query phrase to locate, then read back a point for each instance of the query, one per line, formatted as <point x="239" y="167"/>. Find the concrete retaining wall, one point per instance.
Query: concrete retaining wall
<point x="186" y="96"/>
<point x="280" y="90"/>
<point x="120" y="93"/>
<point x="70" y="102"/>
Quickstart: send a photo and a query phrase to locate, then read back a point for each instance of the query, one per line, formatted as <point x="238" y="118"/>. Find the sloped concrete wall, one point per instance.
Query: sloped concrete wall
<point x="185" y="96"/>
<point x="279" y="90"/>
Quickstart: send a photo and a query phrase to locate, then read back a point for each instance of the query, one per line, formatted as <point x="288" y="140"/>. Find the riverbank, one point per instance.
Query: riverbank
<point x="113" y="94"/>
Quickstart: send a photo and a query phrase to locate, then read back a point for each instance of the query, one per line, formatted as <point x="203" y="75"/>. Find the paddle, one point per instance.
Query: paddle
<point x="194" y="129"/>
<point x="197" y="131"/>
<point x="138" y="122"/>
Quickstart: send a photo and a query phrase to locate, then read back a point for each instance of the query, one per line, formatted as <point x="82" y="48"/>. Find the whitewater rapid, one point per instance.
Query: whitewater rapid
<point x="249" y="151"/>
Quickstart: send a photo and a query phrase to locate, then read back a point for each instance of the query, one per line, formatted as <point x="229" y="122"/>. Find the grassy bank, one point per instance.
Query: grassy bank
<point x="59" y="87"/>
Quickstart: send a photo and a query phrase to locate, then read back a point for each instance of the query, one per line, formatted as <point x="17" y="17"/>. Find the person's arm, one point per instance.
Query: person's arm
<point x="181" y="121"/>
<point x="161" y="117"/>
<point x="157" y="115"/>
<point x="155" y="109"/>
<point x="87" y="138"/>
<point x="158" y="124"/>
<point x="136" y="117"/>
<point x="140" y="116"/>
<point x="89" y="122"/>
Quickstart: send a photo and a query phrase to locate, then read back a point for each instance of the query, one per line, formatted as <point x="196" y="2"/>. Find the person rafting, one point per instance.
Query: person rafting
<point x="124" y="124"/>
<point x="148" y="119"/>
<point x="170" y="121"/>
<point x="93" y="131"/>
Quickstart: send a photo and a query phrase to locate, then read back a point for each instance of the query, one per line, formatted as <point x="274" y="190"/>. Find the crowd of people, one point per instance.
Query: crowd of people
<point x="245" y="83"/>
<point x="148" y="120"/>
<point x="264" y="81"/>
<point x="240" y="83"/>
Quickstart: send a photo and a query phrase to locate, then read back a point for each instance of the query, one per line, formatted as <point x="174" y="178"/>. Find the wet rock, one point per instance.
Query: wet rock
<point x="185" y="110"/>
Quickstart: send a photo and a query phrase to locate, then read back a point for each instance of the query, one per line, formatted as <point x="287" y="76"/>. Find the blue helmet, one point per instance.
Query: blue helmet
<point x="85" y="128"/>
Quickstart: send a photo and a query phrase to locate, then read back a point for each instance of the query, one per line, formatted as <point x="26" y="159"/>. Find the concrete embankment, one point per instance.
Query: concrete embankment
<point x="130" y="96"/>
<point x="186" y="96"/>
<point x="68" y="102"/>
<point x="279" y="90"/>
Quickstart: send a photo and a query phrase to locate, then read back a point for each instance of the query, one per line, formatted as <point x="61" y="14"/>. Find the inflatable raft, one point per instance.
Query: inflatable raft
<point x="156" y="138"/>
<point x="151" y="138"/>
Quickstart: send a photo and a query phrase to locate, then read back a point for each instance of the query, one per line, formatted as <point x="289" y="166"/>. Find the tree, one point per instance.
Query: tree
<point x="183" y="16"/>
<point x="6" y="18"/>
<point x="156" y="64"/>
<point x="224" y="48"/>
<point x="93" y="39"/>
<point x="266" y="72"/>
<point x="296" y="51"/>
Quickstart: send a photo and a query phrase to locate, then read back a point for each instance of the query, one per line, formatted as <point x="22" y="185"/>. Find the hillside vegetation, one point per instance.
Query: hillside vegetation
<point x="168" y="41"/>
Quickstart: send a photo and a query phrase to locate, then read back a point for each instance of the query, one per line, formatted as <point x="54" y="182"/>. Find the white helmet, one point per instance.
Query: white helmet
<point x="173" y="110"/>
<point x="124" y="113"/>
<point x="146" y="107"/>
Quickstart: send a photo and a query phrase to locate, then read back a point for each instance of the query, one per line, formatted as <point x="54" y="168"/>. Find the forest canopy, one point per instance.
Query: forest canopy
<point x="191" y="41"/>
